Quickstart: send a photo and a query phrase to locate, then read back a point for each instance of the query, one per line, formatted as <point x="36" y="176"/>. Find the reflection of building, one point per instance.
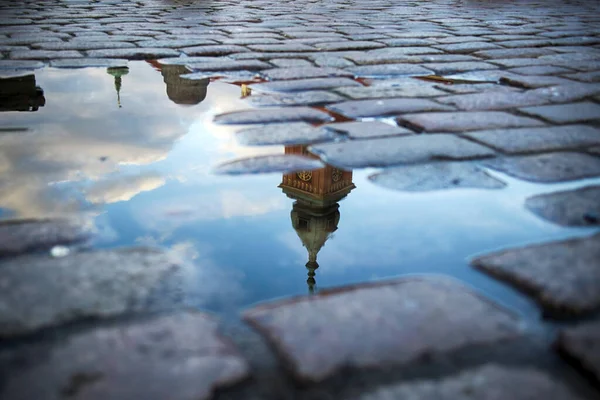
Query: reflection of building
<point x="180" y="90"/>
<point x="315" y="213"/>
<point x="20" y="94"/>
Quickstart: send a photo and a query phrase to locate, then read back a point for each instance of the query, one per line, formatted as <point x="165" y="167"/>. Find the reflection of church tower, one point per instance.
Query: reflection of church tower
<point x="118" y="73"/>
<point x="315" y="213"/>
<point x="20" y="94"/>
<point x="180" y="90"/>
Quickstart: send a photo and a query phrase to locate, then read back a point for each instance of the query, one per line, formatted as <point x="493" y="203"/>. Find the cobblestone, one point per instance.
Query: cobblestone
<point x="548" y="167"/>
<point x="303" y="84"/>
<point x="399" y="150"/>
<point x="578" y="207"/>
<point x="489" y="382"/>
<point x="410" y="89"/>
<point x="565" y="113"/>
<point x="88" y="62"/>
<point x="367" y="129"/>
<point x="44" y="54"/>
<point x="316" y="97"/>
<point x="281" y="163"/>
<point x="581" y="344"/>
<point x="465" y="121"/>
<point x="532" y="140"/>
<point x="291" y="114"/>
<point x="289" y="133"/>
<point x="303" y="73"/>
<point x="178" y="357"/>
<point x="388" y="70"/>
<point x="421" y="317"/>
<point x="436" y="176"/>
<point x="133" y="54"/>
<point x="383" y="107"/>
<point x="540" y="271"/>
<point x="43" y="291"/>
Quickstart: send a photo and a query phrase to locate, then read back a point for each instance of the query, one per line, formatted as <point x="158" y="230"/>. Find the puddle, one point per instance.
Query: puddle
<point x="135" y="150"/>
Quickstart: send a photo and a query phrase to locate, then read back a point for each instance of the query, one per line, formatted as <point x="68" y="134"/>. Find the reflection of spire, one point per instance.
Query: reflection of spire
<point x="20" y="93"/>
<point x="118" y="72"/>
<point x="180" y="90"/>
<point x="315" y="213"/>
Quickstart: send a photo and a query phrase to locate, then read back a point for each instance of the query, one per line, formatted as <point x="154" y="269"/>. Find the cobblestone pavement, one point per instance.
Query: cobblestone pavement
<point x="524" y="99"/>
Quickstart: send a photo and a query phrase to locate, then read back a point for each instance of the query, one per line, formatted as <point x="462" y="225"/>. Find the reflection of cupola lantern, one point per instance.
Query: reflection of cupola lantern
<point x="20" y="93"/>
<point x="315" y="213"/>
<point x="180" y="90"/>
<point x="118" y="72"/>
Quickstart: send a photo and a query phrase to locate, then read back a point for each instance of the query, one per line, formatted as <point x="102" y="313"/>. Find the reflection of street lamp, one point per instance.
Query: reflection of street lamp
<point x="118" y="72"/>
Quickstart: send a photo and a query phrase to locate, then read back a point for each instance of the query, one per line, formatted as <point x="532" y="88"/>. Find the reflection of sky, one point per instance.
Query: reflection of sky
<point x="144" y="171"/>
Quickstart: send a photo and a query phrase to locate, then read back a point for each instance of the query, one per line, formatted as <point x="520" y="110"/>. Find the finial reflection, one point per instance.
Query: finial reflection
<point x="21" y="93"/>
<point x="315" y="213"/>
<point x="118" y="73"/>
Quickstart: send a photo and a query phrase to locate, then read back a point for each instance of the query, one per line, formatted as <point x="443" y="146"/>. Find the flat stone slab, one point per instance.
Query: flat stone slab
<point x="179" y="356"/>
<point x="400" y="90"/>
<point x="21" y="64"/>
<point x="228" y="65"/>
<point x="88" y="62"/>
<point x="304" y="84"/>
<point x="389" y="70"/>
<point x="283" y="134"/>
<point x="43" y="291"/>
<point x="366" y="129"/>
<point x="279" y="74"/>
<point x="291" y="114"/>
<point x="436" y="176"/>
<point x="579" y="207"/>
<point x="383" y="107"/>
<point x="133" y="54"/>
<point x="400" y="321"/>
<point x="563" y="276"/>
<point x="281" y="163"/>
<point x="399" y="150"/>
<point x="581" y="345"/>
<point x="566" y="113"/>
<point x="466" y="121"/>
<point x="312" y="97"/>
<point x="27" y="235"/>
<point x="548" y="167"/>
<point x="489" y="382"/>
<point x="535" y="140"/>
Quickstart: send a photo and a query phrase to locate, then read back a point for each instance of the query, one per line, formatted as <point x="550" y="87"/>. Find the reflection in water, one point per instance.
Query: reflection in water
<point x="118" y="72"/>
<point x="20" y="94"/>
<point x="315" y="213"/>
<point x="179" y="90"/>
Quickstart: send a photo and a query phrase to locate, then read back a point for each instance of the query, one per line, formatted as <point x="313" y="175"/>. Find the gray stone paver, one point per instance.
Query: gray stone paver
<point x="271" y="163"/>
<point x="489" y="382"/>
<point x="400" y="321"/>
<point x="297" y="85"/>
<point x="566" y="113"/>
<point x="579" y="207"/>
<point x="383" y="107"/>
<point x="177" y="357"/>
<point x="548" y="167"/>
<point x="581" y="344"/>
<point x="42" y="291"/>
<point x="291" y="114"/>
<point x="366" y="129"/>
<point x="466" y="121"/>
<point x="540" y="271"/>
<point x="288" y="133"/>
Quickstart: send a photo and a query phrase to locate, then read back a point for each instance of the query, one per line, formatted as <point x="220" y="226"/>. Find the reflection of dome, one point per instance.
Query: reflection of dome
<point x="21" y="94"/>
<point x="180" y="90"/>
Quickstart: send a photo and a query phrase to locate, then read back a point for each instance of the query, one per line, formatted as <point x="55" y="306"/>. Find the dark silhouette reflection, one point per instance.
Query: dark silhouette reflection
<point x="315" y="213"/>
<point x="21" y="94"/>
<point x="118" y="72"/>
<point x="180" y="90"/>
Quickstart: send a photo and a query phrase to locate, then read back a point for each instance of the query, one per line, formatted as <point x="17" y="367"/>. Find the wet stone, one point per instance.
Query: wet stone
<point x="315" y="97"/>
<point x="404" y="90"/>
<point x="42" y="291"/>
<point x="280" y="163"/>
<point x="548" y="167"/>
<point x="389" y="70"/>
<point x="179" y="356"/>
<point x="540" y="70"/>
<point x="467" y="47"/>
<point x="456" y="67"/>
<point x="367" y="129"/>
<point x="44" y="54"/>
<point x="83" y="45"/>
<point x="399" y="150"/>
<point x="133" y="54"/>
<point x="565" y="113"/>
<point x="382" y="107"/>
<point x="581" y="345"/>
<point x="290" y="62"/>
<point x="532" y="140"/>
<point x="495" y="100"/>
<point x="489" y="382"/>
<point x="291" y="114"/>
<point x="533" y="81"/>
<point x="20" y="64"/>
<point x="175" y="43"/>
<point x="21" y="236"/>
<point x="422" y="316"/>
<point x="436" y="176"/>
<point x="303" y="84"/>
<point x="229" y="65"/>
<point x="563" y="276"/>
<point x="579" y="207"/>
<point x="283" y="134"/>
<point x="514" y="53"/>
<point x="277" y="74"/>
<point x="466" y="121"/>
<point x="293" y="47"/>
<point x="88" y="62"/>
<point x="348" y="45"/>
